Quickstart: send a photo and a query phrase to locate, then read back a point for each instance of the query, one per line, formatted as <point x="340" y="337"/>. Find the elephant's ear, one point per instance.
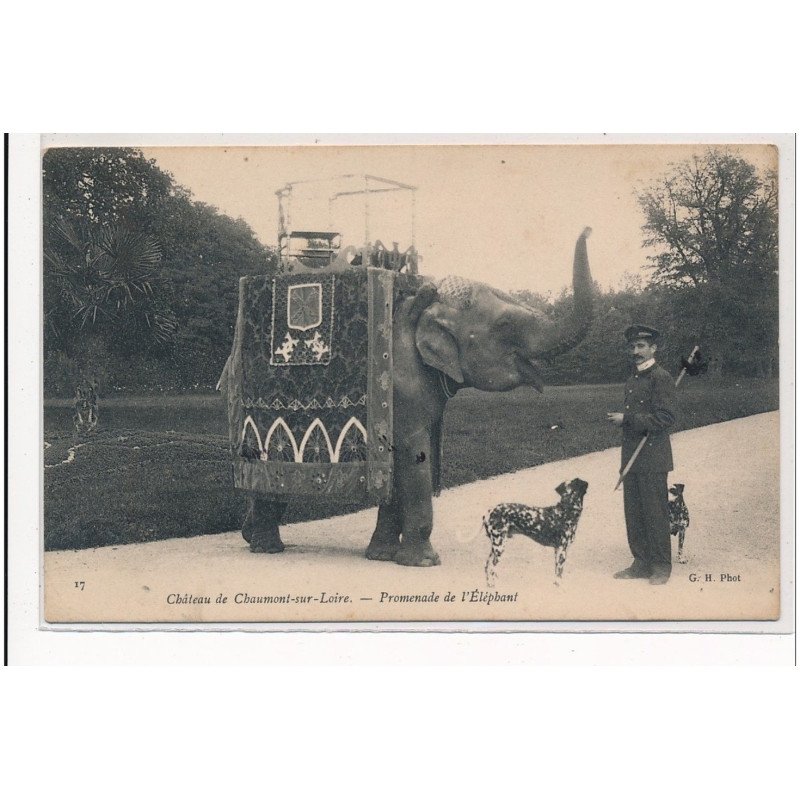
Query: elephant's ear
<point x="436" y="342"/>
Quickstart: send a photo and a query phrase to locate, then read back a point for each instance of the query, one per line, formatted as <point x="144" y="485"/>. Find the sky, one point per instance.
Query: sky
<point x="508" y="215"/>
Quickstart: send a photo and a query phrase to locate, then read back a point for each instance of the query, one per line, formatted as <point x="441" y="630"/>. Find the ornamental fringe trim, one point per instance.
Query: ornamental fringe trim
<point x="299" y="405"/>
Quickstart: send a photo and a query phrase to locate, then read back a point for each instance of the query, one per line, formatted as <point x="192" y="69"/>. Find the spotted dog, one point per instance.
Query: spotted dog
<point x="553" y="526"/>
<point x="678" y="518"/>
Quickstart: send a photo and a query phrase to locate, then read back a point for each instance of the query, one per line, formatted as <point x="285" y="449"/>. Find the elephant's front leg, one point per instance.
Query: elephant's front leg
<point x="413" y="480"/>
<point x="385" y="540"/>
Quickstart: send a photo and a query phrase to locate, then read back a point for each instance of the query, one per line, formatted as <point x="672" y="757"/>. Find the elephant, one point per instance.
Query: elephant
<point x="448" y="335"/>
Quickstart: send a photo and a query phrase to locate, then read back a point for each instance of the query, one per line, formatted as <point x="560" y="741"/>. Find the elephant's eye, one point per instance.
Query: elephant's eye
<point x="504" y="328"/>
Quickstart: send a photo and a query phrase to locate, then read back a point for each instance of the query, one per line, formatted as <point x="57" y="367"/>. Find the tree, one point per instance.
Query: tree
<point x="205" y="254"/>
<point x="104" y="278"/>
<point x="714" y="223"/>
<point x="534" y="300"/>
<point x="136" y="273"/>
<point x="101" y="261"/>
<point x="103" y="186"/>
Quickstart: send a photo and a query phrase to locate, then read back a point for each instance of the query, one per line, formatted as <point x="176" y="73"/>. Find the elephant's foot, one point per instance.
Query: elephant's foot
<point x="385" y="539"/>
<point x="383" y="548"/>
<point x="262" y="538"/>
<point x="417" y="554"/>
<point x="272" y="546"/>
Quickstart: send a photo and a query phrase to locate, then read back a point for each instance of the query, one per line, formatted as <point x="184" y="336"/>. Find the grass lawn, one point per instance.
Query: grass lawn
<point x="158" y="467"/>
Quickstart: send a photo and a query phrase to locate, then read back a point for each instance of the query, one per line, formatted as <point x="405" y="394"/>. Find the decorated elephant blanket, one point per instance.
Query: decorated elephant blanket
<point x="310" y="384"/>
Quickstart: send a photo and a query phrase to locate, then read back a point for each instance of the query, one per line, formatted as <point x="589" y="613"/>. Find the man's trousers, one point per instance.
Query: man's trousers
<point x="647" y="517"/>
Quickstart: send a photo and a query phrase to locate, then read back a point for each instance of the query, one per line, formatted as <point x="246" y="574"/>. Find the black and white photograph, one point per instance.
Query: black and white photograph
<point x="411" y="383"/>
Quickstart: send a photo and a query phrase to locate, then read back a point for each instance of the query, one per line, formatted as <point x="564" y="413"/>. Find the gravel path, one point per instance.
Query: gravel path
<point x="731" y="472"/>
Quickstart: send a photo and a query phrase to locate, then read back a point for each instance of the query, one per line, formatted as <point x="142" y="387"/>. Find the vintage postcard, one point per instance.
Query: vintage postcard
<point x="413" y="383"/>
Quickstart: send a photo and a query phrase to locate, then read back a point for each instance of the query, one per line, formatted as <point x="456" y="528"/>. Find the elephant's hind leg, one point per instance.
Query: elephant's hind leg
<point x="386" y="538"/>
<point x="260" y="527"/>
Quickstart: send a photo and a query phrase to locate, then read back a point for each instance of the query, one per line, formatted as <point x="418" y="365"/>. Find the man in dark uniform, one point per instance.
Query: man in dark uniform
<point x="649" y="409"/>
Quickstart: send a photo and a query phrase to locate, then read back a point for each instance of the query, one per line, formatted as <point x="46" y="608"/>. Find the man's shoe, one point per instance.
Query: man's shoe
<point x="635" y="570"/>
<point x="660" y="575"/>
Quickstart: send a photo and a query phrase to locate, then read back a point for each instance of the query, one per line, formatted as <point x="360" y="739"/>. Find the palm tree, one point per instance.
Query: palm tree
<point x="103" y="281"/>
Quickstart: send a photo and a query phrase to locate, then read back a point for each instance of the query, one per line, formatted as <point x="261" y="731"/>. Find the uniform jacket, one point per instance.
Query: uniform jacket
<point x="649" y="408"/>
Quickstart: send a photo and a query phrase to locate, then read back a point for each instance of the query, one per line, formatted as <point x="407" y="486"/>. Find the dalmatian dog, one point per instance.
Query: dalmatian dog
<point x="553" y="526"/>
<point x="678" y="518"/>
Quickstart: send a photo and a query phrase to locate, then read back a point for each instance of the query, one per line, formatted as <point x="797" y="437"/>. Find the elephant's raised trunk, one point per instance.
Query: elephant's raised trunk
<point x="567" y="333"/>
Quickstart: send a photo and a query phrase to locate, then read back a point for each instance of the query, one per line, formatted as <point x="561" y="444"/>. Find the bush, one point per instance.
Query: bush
<point x="61" y="375"/>
<point x="62" y="372"/>
<point x="141" y="373"/>
<point x="145" y="373"/>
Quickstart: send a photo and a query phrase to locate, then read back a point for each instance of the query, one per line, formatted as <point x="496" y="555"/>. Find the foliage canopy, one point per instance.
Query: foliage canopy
<point x="140" y="280"/>
<point x="713" y="223"/>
